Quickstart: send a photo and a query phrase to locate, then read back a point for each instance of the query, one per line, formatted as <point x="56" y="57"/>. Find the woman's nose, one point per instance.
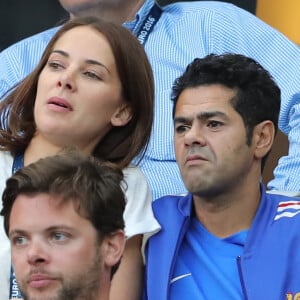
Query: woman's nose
<point x="67" y="80"/>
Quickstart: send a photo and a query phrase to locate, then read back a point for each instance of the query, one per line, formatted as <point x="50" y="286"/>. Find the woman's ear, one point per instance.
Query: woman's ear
<point x="113" y="247"/>
<point x="263" y="138"/>
<point x="121" y="116"/>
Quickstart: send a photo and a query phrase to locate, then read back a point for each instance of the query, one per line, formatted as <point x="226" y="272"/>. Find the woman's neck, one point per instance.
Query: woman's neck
<point x="39" y="148"/>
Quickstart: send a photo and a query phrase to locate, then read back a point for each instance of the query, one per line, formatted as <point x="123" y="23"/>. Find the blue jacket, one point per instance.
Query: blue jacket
<point x="269" y="267"/>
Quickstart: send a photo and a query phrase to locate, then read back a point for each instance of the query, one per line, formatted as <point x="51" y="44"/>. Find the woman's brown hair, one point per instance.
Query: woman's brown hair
<point x="121" y="144"/>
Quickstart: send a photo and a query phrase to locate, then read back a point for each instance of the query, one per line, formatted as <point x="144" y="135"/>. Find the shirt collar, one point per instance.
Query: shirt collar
<point x="140" y="16"/>
<point x="186" y="203"/>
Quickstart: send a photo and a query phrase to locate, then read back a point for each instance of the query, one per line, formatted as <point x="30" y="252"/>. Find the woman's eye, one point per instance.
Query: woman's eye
<point x="55" y="65"/>
<point x="92" y="75"/>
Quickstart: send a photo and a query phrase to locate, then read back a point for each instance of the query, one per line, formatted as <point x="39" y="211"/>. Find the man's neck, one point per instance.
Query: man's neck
<point x="230" y="213"/>
<point x="118" y="13"/>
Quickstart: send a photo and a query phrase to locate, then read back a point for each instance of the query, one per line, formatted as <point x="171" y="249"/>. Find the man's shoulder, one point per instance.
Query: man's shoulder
<point x="201" y="14"/>
<point x="203" y="7"/>
<point x="41" y="38"/>
<point x="286" y="208"/>
<point x="19" y="59"/>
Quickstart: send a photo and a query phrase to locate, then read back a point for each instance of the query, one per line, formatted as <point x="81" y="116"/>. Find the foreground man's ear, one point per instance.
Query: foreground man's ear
<point x="113" y="247"/>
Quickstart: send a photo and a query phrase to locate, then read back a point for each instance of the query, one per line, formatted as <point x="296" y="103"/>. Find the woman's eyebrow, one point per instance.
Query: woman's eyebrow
<point x="88" y="61"/>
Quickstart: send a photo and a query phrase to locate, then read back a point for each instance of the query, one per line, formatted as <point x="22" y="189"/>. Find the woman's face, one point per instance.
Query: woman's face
<point x="79" y="91"/>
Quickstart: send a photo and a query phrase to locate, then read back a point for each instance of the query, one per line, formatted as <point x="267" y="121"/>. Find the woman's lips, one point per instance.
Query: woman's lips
<point x="59" y="104"/>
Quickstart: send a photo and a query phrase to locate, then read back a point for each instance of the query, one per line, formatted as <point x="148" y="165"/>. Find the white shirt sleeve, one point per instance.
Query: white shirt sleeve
<point x="138" y="214"/>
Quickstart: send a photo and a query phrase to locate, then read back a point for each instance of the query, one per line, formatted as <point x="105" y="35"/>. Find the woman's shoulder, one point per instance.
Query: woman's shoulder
<point x="6" y="159"/>
<point x="135" y="183"/>
<point x="133" y="173"/>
